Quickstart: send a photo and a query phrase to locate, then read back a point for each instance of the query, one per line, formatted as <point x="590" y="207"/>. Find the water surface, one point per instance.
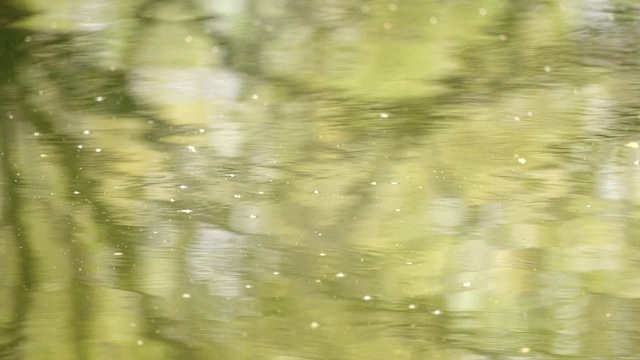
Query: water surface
<point x="319" y="180"/>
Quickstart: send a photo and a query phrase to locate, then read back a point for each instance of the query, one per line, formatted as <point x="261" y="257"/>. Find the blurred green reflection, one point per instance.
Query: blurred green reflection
<point x="319" y="180"/>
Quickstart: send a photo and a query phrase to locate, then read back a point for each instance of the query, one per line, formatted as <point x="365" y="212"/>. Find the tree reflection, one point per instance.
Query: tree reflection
<point x="261" y="179"/>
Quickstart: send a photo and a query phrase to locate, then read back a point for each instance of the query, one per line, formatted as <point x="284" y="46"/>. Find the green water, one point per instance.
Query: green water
<point x="319" y="180"/>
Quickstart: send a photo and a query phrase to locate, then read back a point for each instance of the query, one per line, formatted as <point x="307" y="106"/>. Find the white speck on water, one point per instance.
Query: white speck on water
<point x="192" y="148"/>
<point x="76" y="192"/>
<point x="186" y="211"/>
<point x="248" y="286"/>
<point x="384" y="115"/>
<point x="323" y="254"/>
<point x="547" y="68"/>
<point x="139" y="342"/>
<point x="36" y="134"/>
<point x="201" y="131"/>
<point x="437" y="312"/>
<point x="118" y="253"/>
<point x="253" y="216"/>
<point x="374" y="183"/>
<point x="276" y="273"/>
<point x="183" y="186"/>
<point x="86" y="132"/>
<point x="516" y="118"/>
<point x="637" y="162"/>
<point x="99" y="98"/>
<point x="397" y="210"/>
<point x="466" y="284"/>
<point x="255" y="96"/>
<point x="412" y="306"/>
<point x="172" y="200"/>
<point x="186" y="296"/>
<point x="340" y="275"/>
<point x="98" y="150"/>
<point x="261" y="192"/>
<point x="237" y="196"/>
<point x="530" y="113"/>
<point x="482" y="11"/>
<point x="80" y="146"/>
<point x="231" y="175"/>
<point x="314" y="325"/>
<point x="394" y="183"/>
<point x="367" y="298"/>
<point x="589" y="206"/>
<point x="525" y="350"/>
<point x="522" y="160"/>
<point x="316" y="192"/>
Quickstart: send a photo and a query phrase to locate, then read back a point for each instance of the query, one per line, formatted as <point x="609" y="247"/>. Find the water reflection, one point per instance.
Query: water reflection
<point x="333" y="180"/>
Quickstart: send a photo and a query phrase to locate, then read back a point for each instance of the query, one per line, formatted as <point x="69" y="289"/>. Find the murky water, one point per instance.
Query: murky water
<point x="319" y="180"/>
